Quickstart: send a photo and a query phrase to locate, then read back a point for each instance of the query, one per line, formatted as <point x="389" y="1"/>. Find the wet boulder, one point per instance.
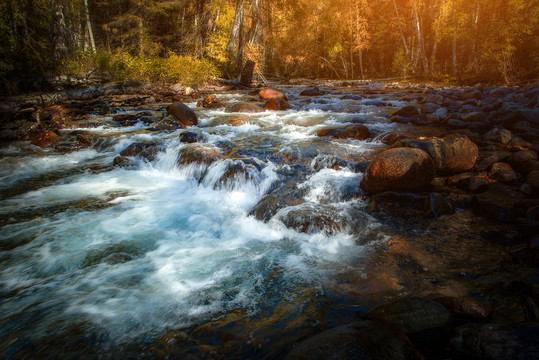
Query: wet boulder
<point x="244" y="107"/>
<point x="183" y="113"/>
<point x="453" y="153"/>
<point x="43" y="139"/>
<point x="125" y="120"/>
<point x="354" y="131"/>
<point x="311" y="219"/>
<point x="211" y="102"/>
<point x="190" y="137"/>
<point x="277" y="104"/>
<point x="476" y="117"/>
<point x="170" y="123"/>
<point x="429" y="108"/>
<point x="400" y="119"/>
<point x="399" y="169"/>
<point x="407" y="111"/>
<point x="312" y="92"/>
<point x="271" y="93"/>
<point x="360" y="340"/>
<point x="281" y="195"/>
<point x="198" y="154"/>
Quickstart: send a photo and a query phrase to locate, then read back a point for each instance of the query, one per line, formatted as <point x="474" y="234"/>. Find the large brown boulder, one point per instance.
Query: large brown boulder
<point x="183" y="113"/>
<point x="453" y="153"/>
<point x="399" y="169"/>
<point x="244" y="107"/>
<point x="271" y="93"/>
<point x="277" y="104"/>
<point x="44" y="138"/>
<point x="355" y="131"/>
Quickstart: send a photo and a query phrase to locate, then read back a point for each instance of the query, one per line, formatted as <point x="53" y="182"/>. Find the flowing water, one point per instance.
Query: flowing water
<point x="238" y="258"/>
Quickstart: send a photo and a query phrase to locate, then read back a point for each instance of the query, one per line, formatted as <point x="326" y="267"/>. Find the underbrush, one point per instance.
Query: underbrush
<point x="123" y="66"/>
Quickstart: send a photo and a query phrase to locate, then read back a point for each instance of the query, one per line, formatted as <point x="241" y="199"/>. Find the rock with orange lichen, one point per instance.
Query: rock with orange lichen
<point x="44" y="139"/>
<point x="399" y="169"/>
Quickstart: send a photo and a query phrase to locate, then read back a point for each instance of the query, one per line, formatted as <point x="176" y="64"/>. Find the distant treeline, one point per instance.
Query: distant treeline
<point x="463" y="40"/>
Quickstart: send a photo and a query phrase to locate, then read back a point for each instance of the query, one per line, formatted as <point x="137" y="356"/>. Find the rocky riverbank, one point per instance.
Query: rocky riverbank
<point x="454" y="153"/>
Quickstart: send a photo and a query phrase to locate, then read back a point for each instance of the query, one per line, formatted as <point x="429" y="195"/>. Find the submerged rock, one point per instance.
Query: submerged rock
<point x="399" y="169"/>
<point x="197" y="154"/>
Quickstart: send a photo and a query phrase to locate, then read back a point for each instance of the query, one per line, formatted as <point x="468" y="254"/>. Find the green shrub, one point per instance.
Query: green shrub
<point x="123" y="66"/>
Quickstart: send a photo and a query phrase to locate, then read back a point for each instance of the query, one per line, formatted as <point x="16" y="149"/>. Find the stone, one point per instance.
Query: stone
<point x="434" y="99"/>
<point x="277" y="104"/>
<point x="502" y="172"/>
<point x="519" y="160"/>
<point x="498" y="341"/>
<point x="499" y="135"/>
<point x="312" y="92"/>
<point x="425" y="119"/>
<point x="244" y="107"/>
<point x="400" y="119"/>
<point x="361" y="340"/>
<point x="476" y="117"/>
<point x="211" y="102"/>
<point x="442" y="113"/>
<point x="197" y="154"/>
<point x="392" y="138"/>
<point x="486" y="161"/>
<point x="120" y="161"/>
<point x="459" y="124"/>
<point x="429" y="108"/>
<point x="190" y="137"/>
<point x="399" y="169"/>
<point x="466" y="307"/>
<point x="453" y="153"/>
<point x="518" y="143"/>
<point x="135" y="148"/>
<point x="355" y="131"/>
<point x="170" y="123"/>
<point x="183" y="113"/>
<point x="436" y="205"/>
<point x="43" y="139"/>
<point x="311" y="219"/>
<point x="270" y="93"/>
<point x="375" y="87"/>
<point x="407" y="111"/>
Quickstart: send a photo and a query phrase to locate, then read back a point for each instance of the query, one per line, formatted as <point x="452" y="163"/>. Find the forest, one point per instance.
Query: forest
<point x="190" y="41"/>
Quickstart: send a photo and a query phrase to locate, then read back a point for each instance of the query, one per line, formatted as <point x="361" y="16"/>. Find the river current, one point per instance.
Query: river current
<point x="167" y="258"/>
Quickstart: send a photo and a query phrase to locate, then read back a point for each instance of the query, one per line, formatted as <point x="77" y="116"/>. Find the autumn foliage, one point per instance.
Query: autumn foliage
<point x="462" y="40"/>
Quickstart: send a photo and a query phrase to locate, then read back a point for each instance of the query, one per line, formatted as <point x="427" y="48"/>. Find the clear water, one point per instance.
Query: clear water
<point x="98" y="261"/>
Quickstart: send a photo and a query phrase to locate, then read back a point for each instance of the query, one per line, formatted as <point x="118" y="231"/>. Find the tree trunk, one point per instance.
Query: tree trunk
<point x="89" y="25"/>
<point x="237" y="26"/>
<point x="401" y="31"/>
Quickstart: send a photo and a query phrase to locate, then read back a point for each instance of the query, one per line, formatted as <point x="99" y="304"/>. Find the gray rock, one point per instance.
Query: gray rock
<point x="499" y="135"/>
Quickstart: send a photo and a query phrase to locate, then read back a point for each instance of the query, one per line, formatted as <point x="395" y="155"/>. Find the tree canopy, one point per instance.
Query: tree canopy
<point x="494" y="40"/>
